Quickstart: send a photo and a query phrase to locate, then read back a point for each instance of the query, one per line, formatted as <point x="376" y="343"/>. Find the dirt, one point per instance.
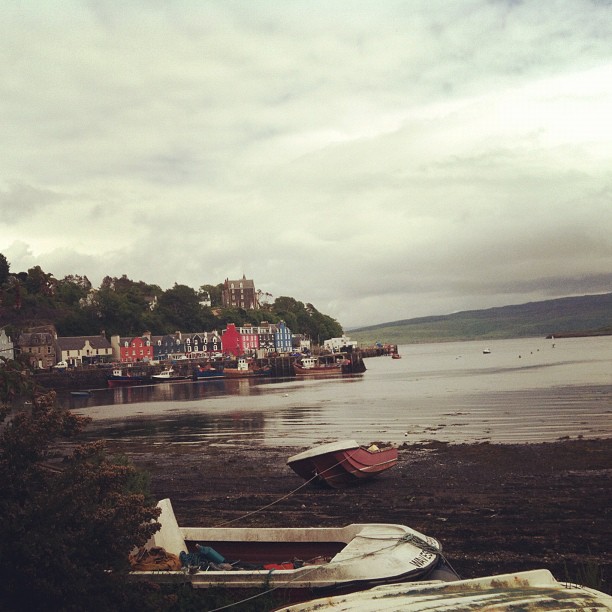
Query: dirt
<point x="495" y="508"/>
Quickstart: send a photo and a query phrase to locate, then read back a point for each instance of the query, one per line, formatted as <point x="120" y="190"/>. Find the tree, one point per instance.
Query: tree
<point x="4" y="269"/>
<point x="69" y="520"/>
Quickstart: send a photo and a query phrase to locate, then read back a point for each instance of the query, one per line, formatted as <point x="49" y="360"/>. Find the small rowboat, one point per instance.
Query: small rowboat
<point x="305" y="562"/>
<point x="342" y="463"/>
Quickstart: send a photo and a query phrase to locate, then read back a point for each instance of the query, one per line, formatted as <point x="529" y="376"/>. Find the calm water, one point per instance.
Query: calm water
<point x="525" y="390"/>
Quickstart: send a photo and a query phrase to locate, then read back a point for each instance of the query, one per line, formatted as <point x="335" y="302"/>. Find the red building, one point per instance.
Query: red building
<point x="239" y="341"/>
<point x="136" y="349"/>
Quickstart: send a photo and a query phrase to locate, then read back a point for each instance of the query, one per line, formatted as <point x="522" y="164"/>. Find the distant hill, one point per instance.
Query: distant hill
<point x="585" y="315"/>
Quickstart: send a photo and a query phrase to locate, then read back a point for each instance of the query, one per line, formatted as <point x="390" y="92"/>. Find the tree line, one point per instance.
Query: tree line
<point x="128" y="308"/>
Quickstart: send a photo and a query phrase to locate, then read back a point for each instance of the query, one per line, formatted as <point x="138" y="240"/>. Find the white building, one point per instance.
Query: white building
<point x="336" y="345"/>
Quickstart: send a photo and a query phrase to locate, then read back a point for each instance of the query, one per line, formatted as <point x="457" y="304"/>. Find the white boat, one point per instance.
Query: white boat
<point x="535" y="590"/>
<point x="168" y="375"/>
<point x="308" y="562"/>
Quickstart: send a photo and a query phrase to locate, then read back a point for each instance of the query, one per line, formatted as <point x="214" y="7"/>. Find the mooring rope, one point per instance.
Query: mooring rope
<point x="315" y="477"/>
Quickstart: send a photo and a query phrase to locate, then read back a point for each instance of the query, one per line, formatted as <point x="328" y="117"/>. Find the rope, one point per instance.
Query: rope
<point x="316" y="476"/>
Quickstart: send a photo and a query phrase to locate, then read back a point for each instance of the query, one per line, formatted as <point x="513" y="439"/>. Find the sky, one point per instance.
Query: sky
<point x="381" y="160"/>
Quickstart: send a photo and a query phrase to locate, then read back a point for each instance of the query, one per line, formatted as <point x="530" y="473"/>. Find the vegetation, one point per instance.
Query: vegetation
<point x="591" y="314"/>
<point x="128" y="308"/>
<point x="69" y="519"/>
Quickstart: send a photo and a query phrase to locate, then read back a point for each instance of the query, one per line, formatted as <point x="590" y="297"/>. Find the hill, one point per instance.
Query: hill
<point x="584" y="315"/>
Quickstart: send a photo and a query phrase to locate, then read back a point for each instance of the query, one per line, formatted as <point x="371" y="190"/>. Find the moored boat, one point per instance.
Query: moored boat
<point x="169" y="375"/>
<point x="119" y="378"/>
<point x="395" y="356"/>
<point x="311" y="366"/>
<point x="208" y="371"/>
<point x="534" y="590"/>
<point x="342" y="463"/>
<point x="305" y="561"/>
<point x="244" y="369"/>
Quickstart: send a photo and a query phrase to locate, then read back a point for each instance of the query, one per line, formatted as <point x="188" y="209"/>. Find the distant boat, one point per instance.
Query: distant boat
<point x="325" y="364"/>
<point x="342" y="463"/>
<point x="304" y="562"/>
<point x="487" y="351"/>
<point x="244" y="369"/>
<point x="119" y="379"/>
<point x="395" y="356"/>
<point x="169" y="375"/>
<point x="207" y="372"/>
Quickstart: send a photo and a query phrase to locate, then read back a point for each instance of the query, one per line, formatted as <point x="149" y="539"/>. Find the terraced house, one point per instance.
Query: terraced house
<point x="84" y="350"/>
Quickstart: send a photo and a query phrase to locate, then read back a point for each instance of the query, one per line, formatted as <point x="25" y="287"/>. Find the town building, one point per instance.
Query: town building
<point x="239" y="294"/>
<point x="343" y="344"/>
<point x="84" y="350"/>
<point x="7" y="348"/>
<point x="39" y="344"/>
<point x="132" y="350"/>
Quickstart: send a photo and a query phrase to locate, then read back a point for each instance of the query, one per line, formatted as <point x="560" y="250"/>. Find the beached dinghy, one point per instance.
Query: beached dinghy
<point x="308" y="562"/>
<point x="535" y="590"/>
<point x="342" y="463"/>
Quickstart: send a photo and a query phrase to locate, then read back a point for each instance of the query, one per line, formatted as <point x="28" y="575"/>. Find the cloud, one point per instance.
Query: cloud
<point x="379" y="161"/>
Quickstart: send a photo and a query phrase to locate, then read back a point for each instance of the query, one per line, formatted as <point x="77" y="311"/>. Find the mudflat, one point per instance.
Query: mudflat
<point x="495" y="508"/>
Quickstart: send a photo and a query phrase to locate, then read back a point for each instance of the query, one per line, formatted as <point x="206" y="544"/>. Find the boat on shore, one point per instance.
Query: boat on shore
<point x="121" y="378"/>
<point x="312" y="366"/>
<point x="306" y="562"/>
<point x="169" y="375"/>
<point x="535" y="590"/>
<point x="342" y="463"/>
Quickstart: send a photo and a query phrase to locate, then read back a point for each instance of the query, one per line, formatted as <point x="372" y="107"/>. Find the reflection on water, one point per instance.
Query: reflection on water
<point x="524" y="390"/>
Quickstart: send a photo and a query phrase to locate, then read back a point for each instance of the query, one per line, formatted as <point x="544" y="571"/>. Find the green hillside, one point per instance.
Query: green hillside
<point x="573" y="315"/>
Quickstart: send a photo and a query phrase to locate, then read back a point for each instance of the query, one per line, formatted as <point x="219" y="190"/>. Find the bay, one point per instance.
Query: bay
<point x="524" y="390"/>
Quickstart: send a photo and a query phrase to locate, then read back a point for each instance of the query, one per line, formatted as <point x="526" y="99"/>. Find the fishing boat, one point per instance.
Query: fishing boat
<point x="342" y="463"/>
<point x="244" y="369"/>
<point x="311" y="366"/>
<point x="169" y="375"/>
<point x="119" y="378"/>
<point x="306" y="562"/>
<point x="535" y="590"/>
<point x="208" y="371"/>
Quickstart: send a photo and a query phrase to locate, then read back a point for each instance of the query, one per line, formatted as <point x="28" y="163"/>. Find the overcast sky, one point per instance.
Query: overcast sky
<point x="381" y="160"/>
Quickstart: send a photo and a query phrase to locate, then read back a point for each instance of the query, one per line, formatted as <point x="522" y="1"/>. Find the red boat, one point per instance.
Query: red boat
<point x="310" y="366"/>
<point x="342" y="463"/>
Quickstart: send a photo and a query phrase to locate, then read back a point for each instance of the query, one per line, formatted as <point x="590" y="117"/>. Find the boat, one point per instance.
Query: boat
<point x="311" y="366"/>
<point x="395" y="356"/>
<point x="207" y="371"/>
<point x="305" y="562"/>
<point x="118" y="378"/>
<point x="244" y="369"/>
<point x="534" y="590"/>
<point x="342" y="463"/>
<point x="486" y="351"/>
<point x="169" y="375"/>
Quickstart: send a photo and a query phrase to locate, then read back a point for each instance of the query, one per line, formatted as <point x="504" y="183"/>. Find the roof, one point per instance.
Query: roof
<point x="74" y="343"/>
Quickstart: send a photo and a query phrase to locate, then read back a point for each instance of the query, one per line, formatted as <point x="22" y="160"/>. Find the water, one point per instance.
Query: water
<point x="525" y="390"/>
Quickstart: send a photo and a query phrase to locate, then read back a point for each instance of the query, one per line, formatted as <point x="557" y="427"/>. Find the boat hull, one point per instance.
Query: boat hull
<point x="342" y="463"/>
<point x="324" y="370"/>
<point x="124" y="381"/>
<point x="530" y="590"/>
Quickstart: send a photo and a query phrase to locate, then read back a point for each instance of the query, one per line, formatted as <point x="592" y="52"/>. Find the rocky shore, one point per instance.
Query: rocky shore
<point x="495" y="507"/>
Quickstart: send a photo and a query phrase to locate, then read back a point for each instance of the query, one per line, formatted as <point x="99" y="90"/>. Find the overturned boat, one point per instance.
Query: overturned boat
<point x="342" y="463"/>
<point x="308" y="561"/>
<point x="535" y="590"/>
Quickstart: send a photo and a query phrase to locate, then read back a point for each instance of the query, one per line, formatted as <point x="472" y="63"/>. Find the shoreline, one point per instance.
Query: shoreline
<point x="495" y="508"/>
